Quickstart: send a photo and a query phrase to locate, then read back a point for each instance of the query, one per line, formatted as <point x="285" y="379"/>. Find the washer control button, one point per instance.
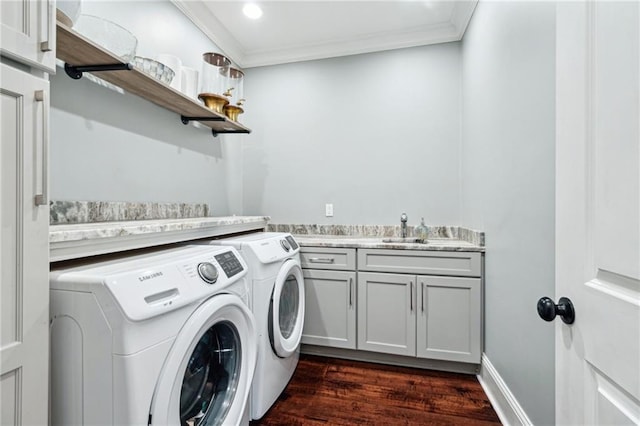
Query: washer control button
<point x="285" y="245"/>
<point x="208" y="272"/>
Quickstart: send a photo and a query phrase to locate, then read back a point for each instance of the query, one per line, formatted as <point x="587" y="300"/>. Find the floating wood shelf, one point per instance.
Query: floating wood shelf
<point x="76" y="50"/>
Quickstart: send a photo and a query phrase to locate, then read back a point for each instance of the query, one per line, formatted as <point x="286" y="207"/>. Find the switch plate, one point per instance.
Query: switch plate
<point x="328" y="210"/>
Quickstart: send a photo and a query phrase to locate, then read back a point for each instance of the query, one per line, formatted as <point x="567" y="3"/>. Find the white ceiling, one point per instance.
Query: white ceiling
<point x="291" y="31"/>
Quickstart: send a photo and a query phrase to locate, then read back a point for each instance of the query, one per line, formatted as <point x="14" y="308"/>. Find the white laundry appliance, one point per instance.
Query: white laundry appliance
<point x="164" y="337"/>
<point x="277" y="301"/>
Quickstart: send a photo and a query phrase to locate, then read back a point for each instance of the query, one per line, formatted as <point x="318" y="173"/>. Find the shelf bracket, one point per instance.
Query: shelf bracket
<point x="75" y="72"/>
<point x="186" y="120"/>
<point x="215" y="132"/>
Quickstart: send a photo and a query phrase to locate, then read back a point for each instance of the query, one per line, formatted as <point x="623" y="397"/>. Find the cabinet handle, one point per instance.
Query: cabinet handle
<point x="350" y="291"/>
<point x="47" y="45"/>
<point x="321" y="260"/>
<point x="411" y="294"/>
<point x="422" y="294"/>
<point x="42" y="199"/>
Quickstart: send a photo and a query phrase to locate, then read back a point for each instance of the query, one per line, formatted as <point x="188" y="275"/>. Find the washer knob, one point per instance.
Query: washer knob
<point x="208" y="272"/>
<point x="285" y="245"/>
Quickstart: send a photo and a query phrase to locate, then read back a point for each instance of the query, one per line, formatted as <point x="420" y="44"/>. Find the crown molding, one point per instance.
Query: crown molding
<point x="206" y="21"/>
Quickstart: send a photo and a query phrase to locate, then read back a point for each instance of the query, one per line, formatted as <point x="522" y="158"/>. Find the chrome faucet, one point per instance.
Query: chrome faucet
<point x="403" y="225"/>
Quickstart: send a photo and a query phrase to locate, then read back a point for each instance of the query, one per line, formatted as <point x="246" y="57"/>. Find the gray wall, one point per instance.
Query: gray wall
<point x="118" y="147"/>
<point x="508" y="172"/>
<point x="375" y="134"/>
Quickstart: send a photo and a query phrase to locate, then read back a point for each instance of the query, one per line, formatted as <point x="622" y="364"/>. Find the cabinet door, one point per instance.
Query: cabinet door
<point x="29" y="32"/>
<point x="387" y="313"/>
<point x="449" y="318"/>
<point x="330" y="308"/>
<point x="24" y="251"/>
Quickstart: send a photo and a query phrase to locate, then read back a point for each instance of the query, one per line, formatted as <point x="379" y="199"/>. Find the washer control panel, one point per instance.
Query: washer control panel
<point x="285" y="245"/>
<point x="292" y="242"/>
<point x="208" y="272"/>
<point x="229" y="263"/>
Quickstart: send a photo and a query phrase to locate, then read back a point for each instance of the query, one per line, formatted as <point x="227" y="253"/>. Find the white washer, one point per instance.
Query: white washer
<point x="160" y="338"/>
<point x="277" y="291"/>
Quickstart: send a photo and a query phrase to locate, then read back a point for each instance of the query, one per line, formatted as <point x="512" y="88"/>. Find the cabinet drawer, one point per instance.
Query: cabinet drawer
<point x="342" y="259"/>
<point x="461" y="264"/>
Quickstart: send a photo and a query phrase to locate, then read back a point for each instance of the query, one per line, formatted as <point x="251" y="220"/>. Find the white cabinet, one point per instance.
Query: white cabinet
<point x="330" y="297"/>
<point x="24" y="248"/>
<point x="28" y="32"/>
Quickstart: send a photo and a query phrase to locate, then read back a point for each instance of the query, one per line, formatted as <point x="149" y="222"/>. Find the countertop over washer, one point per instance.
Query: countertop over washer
<point x="71" y="241"/>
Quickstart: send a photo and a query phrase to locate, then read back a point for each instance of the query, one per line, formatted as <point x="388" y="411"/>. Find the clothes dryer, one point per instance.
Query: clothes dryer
<point x="159" y="338"/>
<point x="277" y="301"/>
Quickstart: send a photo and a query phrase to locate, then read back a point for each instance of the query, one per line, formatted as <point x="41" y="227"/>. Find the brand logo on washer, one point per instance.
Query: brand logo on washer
<point x="150" y="276"/>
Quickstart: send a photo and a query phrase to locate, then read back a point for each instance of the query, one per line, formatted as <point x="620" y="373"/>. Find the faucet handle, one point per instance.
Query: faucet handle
<point x="403" y="217"/>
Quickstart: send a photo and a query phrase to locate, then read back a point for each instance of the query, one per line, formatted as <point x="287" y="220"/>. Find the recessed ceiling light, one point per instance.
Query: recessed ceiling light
<point x="252" y="11"/>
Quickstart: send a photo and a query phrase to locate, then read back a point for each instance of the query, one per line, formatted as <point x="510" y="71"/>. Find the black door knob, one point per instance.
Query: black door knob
<point x="548" y="310"/>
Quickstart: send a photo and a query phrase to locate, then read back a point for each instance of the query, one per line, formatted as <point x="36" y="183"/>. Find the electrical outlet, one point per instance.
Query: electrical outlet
<point x="328" y="210"/>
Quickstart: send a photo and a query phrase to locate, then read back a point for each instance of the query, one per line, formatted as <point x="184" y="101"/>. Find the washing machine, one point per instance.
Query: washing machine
<point x="163" y="337"/>
<point x="277" y="301"/>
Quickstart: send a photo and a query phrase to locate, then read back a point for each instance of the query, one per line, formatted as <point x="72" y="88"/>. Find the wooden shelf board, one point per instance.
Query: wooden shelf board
<point x="77" y="50"/>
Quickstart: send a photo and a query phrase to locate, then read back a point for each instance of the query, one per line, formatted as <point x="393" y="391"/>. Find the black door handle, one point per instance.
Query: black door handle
<point x="548" y="310"/>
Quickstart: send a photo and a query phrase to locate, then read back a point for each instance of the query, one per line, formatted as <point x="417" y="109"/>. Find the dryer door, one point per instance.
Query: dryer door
<point x="207" y="375"/>
<point x="286" y="310"/>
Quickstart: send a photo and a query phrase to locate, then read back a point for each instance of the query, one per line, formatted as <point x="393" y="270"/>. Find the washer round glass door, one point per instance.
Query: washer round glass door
<point x="207" y="375"/>
<point x="286" y="309"/>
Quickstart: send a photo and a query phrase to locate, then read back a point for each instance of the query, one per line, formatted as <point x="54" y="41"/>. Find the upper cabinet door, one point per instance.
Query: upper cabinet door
<point x="29" y="32"/>
<point x="24" y="249"/>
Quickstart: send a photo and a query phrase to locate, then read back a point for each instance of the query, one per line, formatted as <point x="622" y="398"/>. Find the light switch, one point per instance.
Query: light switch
<point x="328" y="210"/>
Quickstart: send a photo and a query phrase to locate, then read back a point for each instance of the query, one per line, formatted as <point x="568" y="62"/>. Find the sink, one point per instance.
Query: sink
<point x="404" y="240"/>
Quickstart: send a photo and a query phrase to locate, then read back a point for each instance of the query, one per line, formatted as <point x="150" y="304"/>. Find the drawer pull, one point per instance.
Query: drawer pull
<point x="43" y="198"/>
<point x="48" y="44"/>
<point x="350" y="292"/>
<point x="411" y="295"/>
<point x="321" y="260"/>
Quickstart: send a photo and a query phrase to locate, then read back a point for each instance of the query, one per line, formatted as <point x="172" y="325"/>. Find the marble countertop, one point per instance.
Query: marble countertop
<point x="69" y="241"/>
<point x="437" y="244"/>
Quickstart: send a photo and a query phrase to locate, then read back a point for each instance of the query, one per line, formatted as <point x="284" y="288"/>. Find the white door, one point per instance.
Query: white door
<point x="24" y="250"/>
<point x="286" y="309"/>
<point x="598" y="212"/>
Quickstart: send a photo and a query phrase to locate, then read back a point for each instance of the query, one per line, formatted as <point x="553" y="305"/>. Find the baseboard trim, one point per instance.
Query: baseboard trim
<point x="504" y="402"/>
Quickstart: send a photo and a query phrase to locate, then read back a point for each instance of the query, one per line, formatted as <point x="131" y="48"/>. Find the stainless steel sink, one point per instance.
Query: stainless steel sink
<point x="413" y="240"/>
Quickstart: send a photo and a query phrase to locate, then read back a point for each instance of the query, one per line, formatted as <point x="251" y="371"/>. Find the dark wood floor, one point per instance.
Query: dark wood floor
<point x="327" y="391"/>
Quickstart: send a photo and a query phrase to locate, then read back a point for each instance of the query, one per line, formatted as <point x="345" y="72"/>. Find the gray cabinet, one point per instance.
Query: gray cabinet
<point x="416" y="303"/>
<point x="428" y="316"/>
<point x="449" y="318"/>
<point x="336" y="259"/>
<point x="386" y="313"/>
<point x="330" y="297"/>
